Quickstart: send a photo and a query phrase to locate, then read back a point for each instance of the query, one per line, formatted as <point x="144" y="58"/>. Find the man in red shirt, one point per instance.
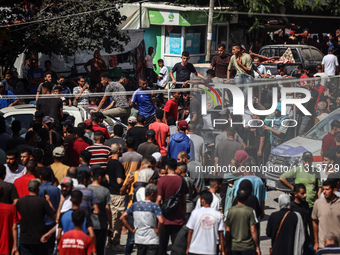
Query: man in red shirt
<point x="328" y="140"/>
<point x="76" y="242"/>
<point x="96" y="117"/>
<point x="22" y="182"/>
<point x="8" y="227"/>
<point x="168" y="185"/>
<point x="162" y="132"/>
<point x="171" y="107"/>
<point x="75" y="147"/>
<point x="321" y="89"/>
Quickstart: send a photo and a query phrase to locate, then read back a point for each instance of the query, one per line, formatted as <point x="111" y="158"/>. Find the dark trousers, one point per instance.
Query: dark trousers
<point x="130" y="238"/>
<point x="167" y="231"/>
<point x="243" y="252"/>
<point x="147" y="249"/>
<point x="51" y="242"/>
<point x="33" y="249"/>
<point x="149" y="120"/>
<point x="101" y="235"/>
<point x="160" y="95"/>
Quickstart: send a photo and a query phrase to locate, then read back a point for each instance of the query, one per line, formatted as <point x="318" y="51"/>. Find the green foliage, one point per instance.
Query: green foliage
<point x="60" y="27"/>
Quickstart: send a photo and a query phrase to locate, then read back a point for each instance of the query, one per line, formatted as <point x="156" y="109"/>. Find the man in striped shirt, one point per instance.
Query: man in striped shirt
<point x="101" y="153"/>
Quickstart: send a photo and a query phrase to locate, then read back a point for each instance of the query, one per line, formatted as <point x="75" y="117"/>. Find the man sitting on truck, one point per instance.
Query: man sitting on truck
<point x="281" y="70"/>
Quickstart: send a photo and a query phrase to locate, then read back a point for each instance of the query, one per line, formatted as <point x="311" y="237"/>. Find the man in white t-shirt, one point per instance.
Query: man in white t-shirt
<point x="13" y="169"/>
<point x="330" y="62"/>
<point x="215" y="186"/>
<point x="324" y="77"/>
<point x="162" y="78"/>
<point x="205" y="228"/>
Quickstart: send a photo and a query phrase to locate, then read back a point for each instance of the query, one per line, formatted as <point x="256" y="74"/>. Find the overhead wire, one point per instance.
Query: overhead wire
<point x="220" y="8"/>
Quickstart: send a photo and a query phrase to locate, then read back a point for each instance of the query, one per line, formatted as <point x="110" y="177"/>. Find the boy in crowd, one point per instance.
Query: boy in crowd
<point x="205" y="228"/>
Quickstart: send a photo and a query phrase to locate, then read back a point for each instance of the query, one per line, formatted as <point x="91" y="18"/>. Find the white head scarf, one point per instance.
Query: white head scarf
<point x="284" y="201"/>
<point x="145" y="175"/>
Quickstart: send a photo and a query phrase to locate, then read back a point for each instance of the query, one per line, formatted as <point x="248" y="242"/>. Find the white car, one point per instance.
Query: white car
<point x="289" y="153"/>
<point x="25" y="113"/>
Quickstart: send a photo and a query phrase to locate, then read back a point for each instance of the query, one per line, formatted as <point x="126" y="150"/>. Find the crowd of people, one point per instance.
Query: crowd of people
<point x="76" y="187"/>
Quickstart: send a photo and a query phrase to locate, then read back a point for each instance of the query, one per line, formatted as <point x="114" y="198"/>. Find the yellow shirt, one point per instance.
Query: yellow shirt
<point x="59" y="170"/>
<point x="130" y="188"/>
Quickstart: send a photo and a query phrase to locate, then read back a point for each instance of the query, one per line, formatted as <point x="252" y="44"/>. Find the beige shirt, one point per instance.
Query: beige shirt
<point x="328" y="214"/>
<point x="246" y="60"/>
<point x="59" y="170"/>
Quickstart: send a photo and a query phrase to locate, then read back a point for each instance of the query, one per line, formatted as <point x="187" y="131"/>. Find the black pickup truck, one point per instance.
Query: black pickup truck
<point x="306" y="55"/>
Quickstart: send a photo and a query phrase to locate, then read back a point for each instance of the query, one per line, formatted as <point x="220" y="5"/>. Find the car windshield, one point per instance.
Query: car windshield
<point x="322" y="128"/>
<point x="25" y="120"/>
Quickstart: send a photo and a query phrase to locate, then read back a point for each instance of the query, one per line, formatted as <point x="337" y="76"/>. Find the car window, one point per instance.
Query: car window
<point x="296" y="56"/>
<point x="317" y="56"/>
<point x="306" y="55"/>
<point x="25" y="120"/>
<point x="322" y="128"/>
<point x="266" y="52"/>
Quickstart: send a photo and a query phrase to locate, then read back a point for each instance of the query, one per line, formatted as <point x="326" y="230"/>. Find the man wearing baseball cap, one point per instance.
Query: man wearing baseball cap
<point x="179" y="141"/>
<point x="59" y="169"/>
<point x="132" y="120"/>
<point x="330" y="64"/>
<point x="307" y="175"/>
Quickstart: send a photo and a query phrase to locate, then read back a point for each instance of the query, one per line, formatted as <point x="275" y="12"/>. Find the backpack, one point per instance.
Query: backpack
<point x="171" y="203"/>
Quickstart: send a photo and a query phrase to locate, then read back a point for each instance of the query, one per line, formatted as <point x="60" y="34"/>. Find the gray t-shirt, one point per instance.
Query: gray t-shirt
<point x="199" y="146"/>
<point x="120" y="100"/>
<point x="226" y="150"/>
<point x="195" y="172"/>
<point x="103" y="197"/>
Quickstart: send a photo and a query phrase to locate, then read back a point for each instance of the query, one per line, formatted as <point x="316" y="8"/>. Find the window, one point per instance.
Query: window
<point x="307" y="56"/>
<point x="194" y="39"/>
<point x="25" y="120"/>
<point x="317" y="56"/>
<point x="173" y="41"/>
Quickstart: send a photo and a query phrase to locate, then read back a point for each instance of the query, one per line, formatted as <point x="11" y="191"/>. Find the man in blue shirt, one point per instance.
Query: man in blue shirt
<point x="65" y="222"/>
<point x="7" y="98"/>
<point x="144" y="102"/>
<point x="54" y="193"/>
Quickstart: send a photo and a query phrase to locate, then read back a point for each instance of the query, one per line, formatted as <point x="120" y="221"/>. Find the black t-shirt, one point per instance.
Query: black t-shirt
<point x="50" y="107"/>
<point x="115" y="170"/>
<point x="116" y="140"/>
<point x="259" y="131"/>
<point x="10" y="192"/>
<point x="183" y="72"/>
<point x="195" y="107"/>
<point x="33" y="210"/>
<point x="138" y="133"/>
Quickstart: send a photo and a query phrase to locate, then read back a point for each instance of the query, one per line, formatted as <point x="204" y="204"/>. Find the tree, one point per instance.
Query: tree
<point x="60" y="27"/>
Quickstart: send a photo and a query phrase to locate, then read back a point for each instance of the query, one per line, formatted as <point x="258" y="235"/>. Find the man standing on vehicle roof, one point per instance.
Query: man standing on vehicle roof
<point x="242" y="62"/>
<point x="183" y="70"/>
<point x="220" y="62"/>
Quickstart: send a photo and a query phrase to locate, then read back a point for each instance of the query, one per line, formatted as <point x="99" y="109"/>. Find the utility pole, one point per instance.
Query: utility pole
<point x="209" y="33"/>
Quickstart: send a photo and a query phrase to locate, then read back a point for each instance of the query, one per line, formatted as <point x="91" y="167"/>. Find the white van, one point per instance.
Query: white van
<point x="289" y="153"/>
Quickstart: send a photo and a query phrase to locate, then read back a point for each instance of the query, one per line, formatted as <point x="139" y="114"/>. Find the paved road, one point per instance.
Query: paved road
<point x="271" y="206"/>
